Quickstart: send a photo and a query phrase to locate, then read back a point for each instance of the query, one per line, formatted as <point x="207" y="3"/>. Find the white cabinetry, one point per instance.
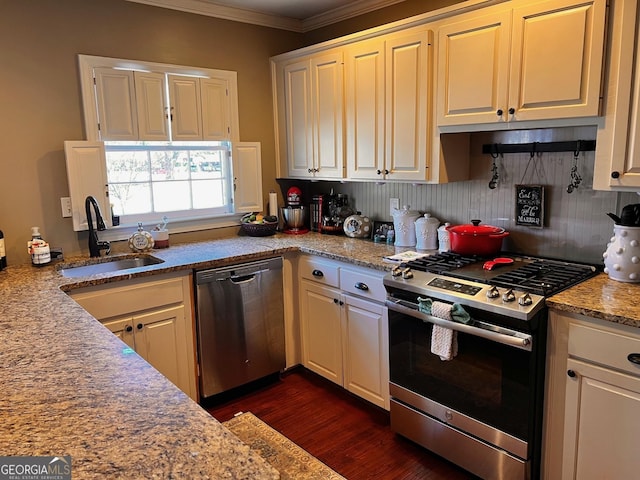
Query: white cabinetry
<point x="311" y="140"/>
<point x="539" y="61"/>
<point x="593" y="399"/>
<point x="151" y="108"/>
<point x="344" y="327"/>
<point x="153" y="317"/>
<point x="116" y="104"/>
<point x="387" y="106"/>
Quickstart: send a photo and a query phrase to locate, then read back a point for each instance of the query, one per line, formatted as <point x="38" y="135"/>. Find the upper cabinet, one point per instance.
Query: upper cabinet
<point x="387" y="91"/>
<point x="311" y="139"/>
<point x="538" y="61"/>
<point x="617" y="164"/>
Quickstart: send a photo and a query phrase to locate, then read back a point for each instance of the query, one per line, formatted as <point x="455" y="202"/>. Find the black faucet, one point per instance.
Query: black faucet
<point x="95" y="245"/>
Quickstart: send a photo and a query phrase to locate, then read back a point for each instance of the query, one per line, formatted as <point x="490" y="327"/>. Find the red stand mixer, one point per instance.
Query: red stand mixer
<point x="294" y="214"/>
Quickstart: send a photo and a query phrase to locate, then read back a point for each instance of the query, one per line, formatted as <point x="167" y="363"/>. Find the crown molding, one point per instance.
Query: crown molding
<point x="212" y="9"/>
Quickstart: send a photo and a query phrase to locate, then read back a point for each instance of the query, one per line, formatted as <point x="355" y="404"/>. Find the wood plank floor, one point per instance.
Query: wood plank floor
<point x="345" y="432"/>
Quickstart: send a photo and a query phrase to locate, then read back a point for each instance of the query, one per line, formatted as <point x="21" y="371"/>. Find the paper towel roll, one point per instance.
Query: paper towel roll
<point x="273" y="203"/>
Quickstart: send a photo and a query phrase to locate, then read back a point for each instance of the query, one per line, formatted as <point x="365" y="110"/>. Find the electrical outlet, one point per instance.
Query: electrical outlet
<point x="394" y="204"/>
<point x="65" y="204"/>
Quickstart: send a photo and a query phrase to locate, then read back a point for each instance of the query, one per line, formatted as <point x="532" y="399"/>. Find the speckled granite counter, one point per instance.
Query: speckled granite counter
<point x="68" y="387"/>
<point x="603" y="298"/>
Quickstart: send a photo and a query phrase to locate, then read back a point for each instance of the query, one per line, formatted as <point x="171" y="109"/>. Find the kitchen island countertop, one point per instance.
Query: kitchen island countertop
<point x="71" y="387"/>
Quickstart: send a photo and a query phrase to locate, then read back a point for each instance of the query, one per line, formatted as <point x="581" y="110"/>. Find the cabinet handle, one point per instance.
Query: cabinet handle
<point x="634" y="358"/>
<point x="571" y="373"/>
<point x="317" y="273"/>
<point x="362" y="286"/>
<point x="615" y="174"/>
<point x="499" y="112"/>
<point x="512" y="111"/>
<point x="140" y="326"/>
<point x="128" y="329"/>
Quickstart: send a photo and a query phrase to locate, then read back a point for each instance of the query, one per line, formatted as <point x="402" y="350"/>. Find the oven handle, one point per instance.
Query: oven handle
<point x="485" y="330"/>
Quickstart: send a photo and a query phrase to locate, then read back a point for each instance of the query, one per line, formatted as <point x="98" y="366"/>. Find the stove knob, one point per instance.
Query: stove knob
<point x="407" y="273"/>
<point x="509" y="296"/>
<point x="396" y="271"/>
<point x="525" y="300"/>
<point x="493" y="292"/>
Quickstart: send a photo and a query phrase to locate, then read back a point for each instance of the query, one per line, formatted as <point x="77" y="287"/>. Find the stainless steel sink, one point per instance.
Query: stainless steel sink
<point x="109" y="265"/>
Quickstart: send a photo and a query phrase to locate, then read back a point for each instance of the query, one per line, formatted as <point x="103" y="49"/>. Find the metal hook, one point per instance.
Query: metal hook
<point x="533" y="149"/>
<point x="576" y="152"/>
<point x="496" y="153"/>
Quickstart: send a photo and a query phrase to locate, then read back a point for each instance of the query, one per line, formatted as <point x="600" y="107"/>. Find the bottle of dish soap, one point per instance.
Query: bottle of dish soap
<point x="38" y="248"/>
<point x="141" y="241"/>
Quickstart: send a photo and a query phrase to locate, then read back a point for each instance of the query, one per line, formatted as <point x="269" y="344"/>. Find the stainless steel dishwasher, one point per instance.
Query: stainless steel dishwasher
<point x="240" y="324"/>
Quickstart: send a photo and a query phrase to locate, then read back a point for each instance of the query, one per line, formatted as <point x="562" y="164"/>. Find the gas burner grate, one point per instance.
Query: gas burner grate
<point x="441" y="262"/>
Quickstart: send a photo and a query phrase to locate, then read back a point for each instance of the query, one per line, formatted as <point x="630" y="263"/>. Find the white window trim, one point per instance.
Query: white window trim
<point x="87" y="63"/>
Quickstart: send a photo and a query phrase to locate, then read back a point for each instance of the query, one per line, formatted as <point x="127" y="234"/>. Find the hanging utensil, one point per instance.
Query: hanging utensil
<point x="493" y="183"/>
<point x="576" y="179"/>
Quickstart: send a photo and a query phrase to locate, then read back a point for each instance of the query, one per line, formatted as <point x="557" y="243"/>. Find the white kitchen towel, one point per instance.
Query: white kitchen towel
<point x="444" y="341"/>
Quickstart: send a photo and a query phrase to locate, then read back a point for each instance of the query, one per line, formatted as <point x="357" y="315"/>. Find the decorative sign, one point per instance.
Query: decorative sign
<point x="530" y="205"/>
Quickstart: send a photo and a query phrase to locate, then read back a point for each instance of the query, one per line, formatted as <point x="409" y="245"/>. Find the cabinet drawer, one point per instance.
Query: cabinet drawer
<point x="126" y="297"/>
<point x="367" y="284"/>
<point x="604" y="347"/>
<point x="318" y="270"/>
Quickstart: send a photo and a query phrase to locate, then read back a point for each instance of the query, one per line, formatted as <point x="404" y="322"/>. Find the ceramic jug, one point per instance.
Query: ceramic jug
<point x="427" y="232"/>
<point x="404" y="226"/>
<point x="622" y="257"/>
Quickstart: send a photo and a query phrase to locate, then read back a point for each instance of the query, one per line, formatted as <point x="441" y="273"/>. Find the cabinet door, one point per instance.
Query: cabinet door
<point x="365" y="339"/>
<point x="123" y="329"/>
<point x="216" y="111"/>
<point x="298" y="117"/>
<point x="115" y="91"/>
<point x="161" y="339"/>
<point x="185" y="108"/>
<point x="556" y="59"/>
<point x="408" y="78"/>
<point x="328" y="111"/>
<point x="473" y="69"/>
<point x="602" y="421"/>
<point x="321" y="331"/>
<point x="247" y="173"/>
<point x="364" y="73"/>
<point x="151" y="106"/>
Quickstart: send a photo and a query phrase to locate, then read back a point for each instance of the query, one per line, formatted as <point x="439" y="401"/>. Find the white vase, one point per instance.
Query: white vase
<point x="622" y="257"/>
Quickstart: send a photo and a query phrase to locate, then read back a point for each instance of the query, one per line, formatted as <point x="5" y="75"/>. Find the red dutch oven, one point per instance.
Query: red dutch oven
<point x="476" y="239"/>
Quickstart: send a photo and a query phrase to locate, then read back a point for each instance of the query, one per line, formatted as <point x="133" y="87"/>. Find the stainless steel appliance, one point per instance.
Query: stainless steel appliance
<point x="483" y="408"/>
<point x="240" y="324"/>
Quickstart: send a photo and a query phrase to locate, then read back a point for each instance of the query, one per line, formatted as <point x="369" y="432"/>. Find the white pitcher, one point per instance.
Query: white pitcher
<point x="404" y="226"/>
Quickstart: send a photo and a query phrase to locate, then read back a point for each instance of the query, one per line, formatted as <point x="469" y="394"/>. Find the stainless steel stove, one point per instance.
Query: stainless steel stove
<point x="481" y="408"/>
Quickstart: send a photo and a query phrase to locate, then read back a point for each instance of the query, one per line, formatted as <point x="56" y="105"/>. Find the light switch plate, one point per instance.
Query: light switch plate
<point x="65" y="204"/>
<point x="394" y="204"/>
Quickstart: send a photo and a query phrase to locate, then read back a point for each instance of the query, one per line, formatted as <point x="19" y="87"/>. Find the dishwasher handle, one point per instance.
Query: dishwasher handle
<point x="239" y="279"/>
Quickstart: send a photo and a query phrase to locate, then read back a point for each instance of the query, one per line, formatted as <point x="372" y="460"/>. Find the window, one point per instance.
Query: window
<point x="148" y="180"/>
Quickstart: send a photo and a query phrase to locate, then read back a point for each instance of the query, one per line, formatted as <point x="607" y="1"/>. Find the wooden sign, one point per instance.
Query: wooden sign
<point x="530" y="205"/>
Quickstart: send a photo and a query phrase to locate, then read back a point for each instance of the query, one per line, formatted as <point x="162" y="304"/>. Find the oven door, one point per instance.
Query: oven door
<point x="486" y="390"/>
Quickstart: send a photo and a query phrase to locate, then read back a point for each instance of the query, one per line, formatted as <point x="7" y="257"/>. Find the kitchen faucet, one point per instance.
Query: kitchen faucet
<point x="95" y="245"/>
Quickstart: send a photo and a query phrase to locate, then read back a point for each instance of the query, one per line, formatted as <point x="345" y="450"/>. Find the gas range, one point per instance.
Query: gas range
<point x="516" y="288"/>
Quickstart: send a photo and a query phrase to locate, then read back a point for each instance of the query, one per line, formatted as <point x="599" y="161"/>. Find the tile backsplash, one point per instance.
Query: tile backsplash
<point x="575" y="228"/>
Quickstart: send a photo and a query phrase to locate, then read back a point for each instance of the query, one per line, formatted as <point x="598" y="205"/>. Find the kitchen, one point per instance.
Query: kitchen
<point x="53" y="106"/>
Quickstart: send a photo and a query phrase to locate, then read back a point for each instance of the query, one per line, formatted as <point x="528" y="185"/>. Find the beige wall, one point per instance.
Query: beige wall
<point x="40" y="104"/>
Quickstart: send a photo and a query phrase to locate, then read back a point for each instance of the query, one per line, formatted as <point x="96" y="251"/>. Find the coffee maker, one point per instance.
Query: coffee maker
<point x="294" y="213"/>
<point x="337" y="211"/>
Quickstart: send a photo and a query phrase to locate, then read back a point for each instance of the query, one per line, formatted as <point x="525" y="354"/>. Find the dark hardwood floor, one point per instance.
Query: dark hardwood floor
<point x="345" y="432"/>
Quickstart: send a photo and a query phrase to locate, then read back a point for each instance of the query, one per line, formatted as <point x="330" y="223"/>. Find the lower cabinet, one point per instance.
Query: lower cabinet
<point x="596" y="437"/>
<point x="344" y="335"/>
<point x="153" y="317"/>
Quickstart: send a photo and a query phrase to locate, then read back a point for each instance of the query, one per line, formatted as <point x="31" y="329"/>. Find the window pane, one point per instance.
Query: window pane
<point x="169" y="196"/>
<point x="127" y="166"/>
<point x="208" y="194"/>
<point x="208" y="164"/>
<point x="130" y="198"/>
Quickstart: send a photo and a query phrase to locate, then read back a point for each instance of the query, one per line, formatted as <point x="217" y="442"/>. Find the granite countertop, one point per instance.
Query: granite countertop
<point x="71" y="387"/>
<point x="603" y="298"/>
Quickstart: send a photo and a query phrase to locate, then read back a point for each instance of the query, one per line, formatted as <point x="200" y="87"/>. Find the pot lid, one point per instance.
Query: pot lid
<point x="475" y="229"/>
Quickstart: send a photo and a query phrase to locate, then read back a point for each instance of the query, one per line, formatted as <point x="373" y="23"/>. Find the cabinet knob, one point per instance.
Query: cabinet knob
<point x="615" y="174"/>
<point x="317" y="273"/>
<point x="386" y="172"/>
<point x="361" y="286"/>
<point x="128" y="329"/>
<point x="499" y="112"/>
<point x="379" y="172"/>
<point x="512" y="111"/>
<point x="310" y="170"/>
<point x="140" y="326"/>
<point x="571" y="373"/>
<point x="335" y="300"/>
<point x="634" y="358"/>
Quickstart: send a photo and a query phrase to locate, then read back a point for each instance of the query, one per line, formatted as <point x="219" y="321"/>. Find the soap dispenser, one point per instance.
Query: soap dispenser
<point x="38" y="248"/>
<point x="141" y="241"/>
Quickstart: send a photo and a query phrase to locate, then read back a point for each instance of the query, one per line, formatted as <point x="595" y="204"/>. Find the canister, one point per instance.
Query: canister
<point x="427" y="232"/>
<point x="404" y="226"/>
